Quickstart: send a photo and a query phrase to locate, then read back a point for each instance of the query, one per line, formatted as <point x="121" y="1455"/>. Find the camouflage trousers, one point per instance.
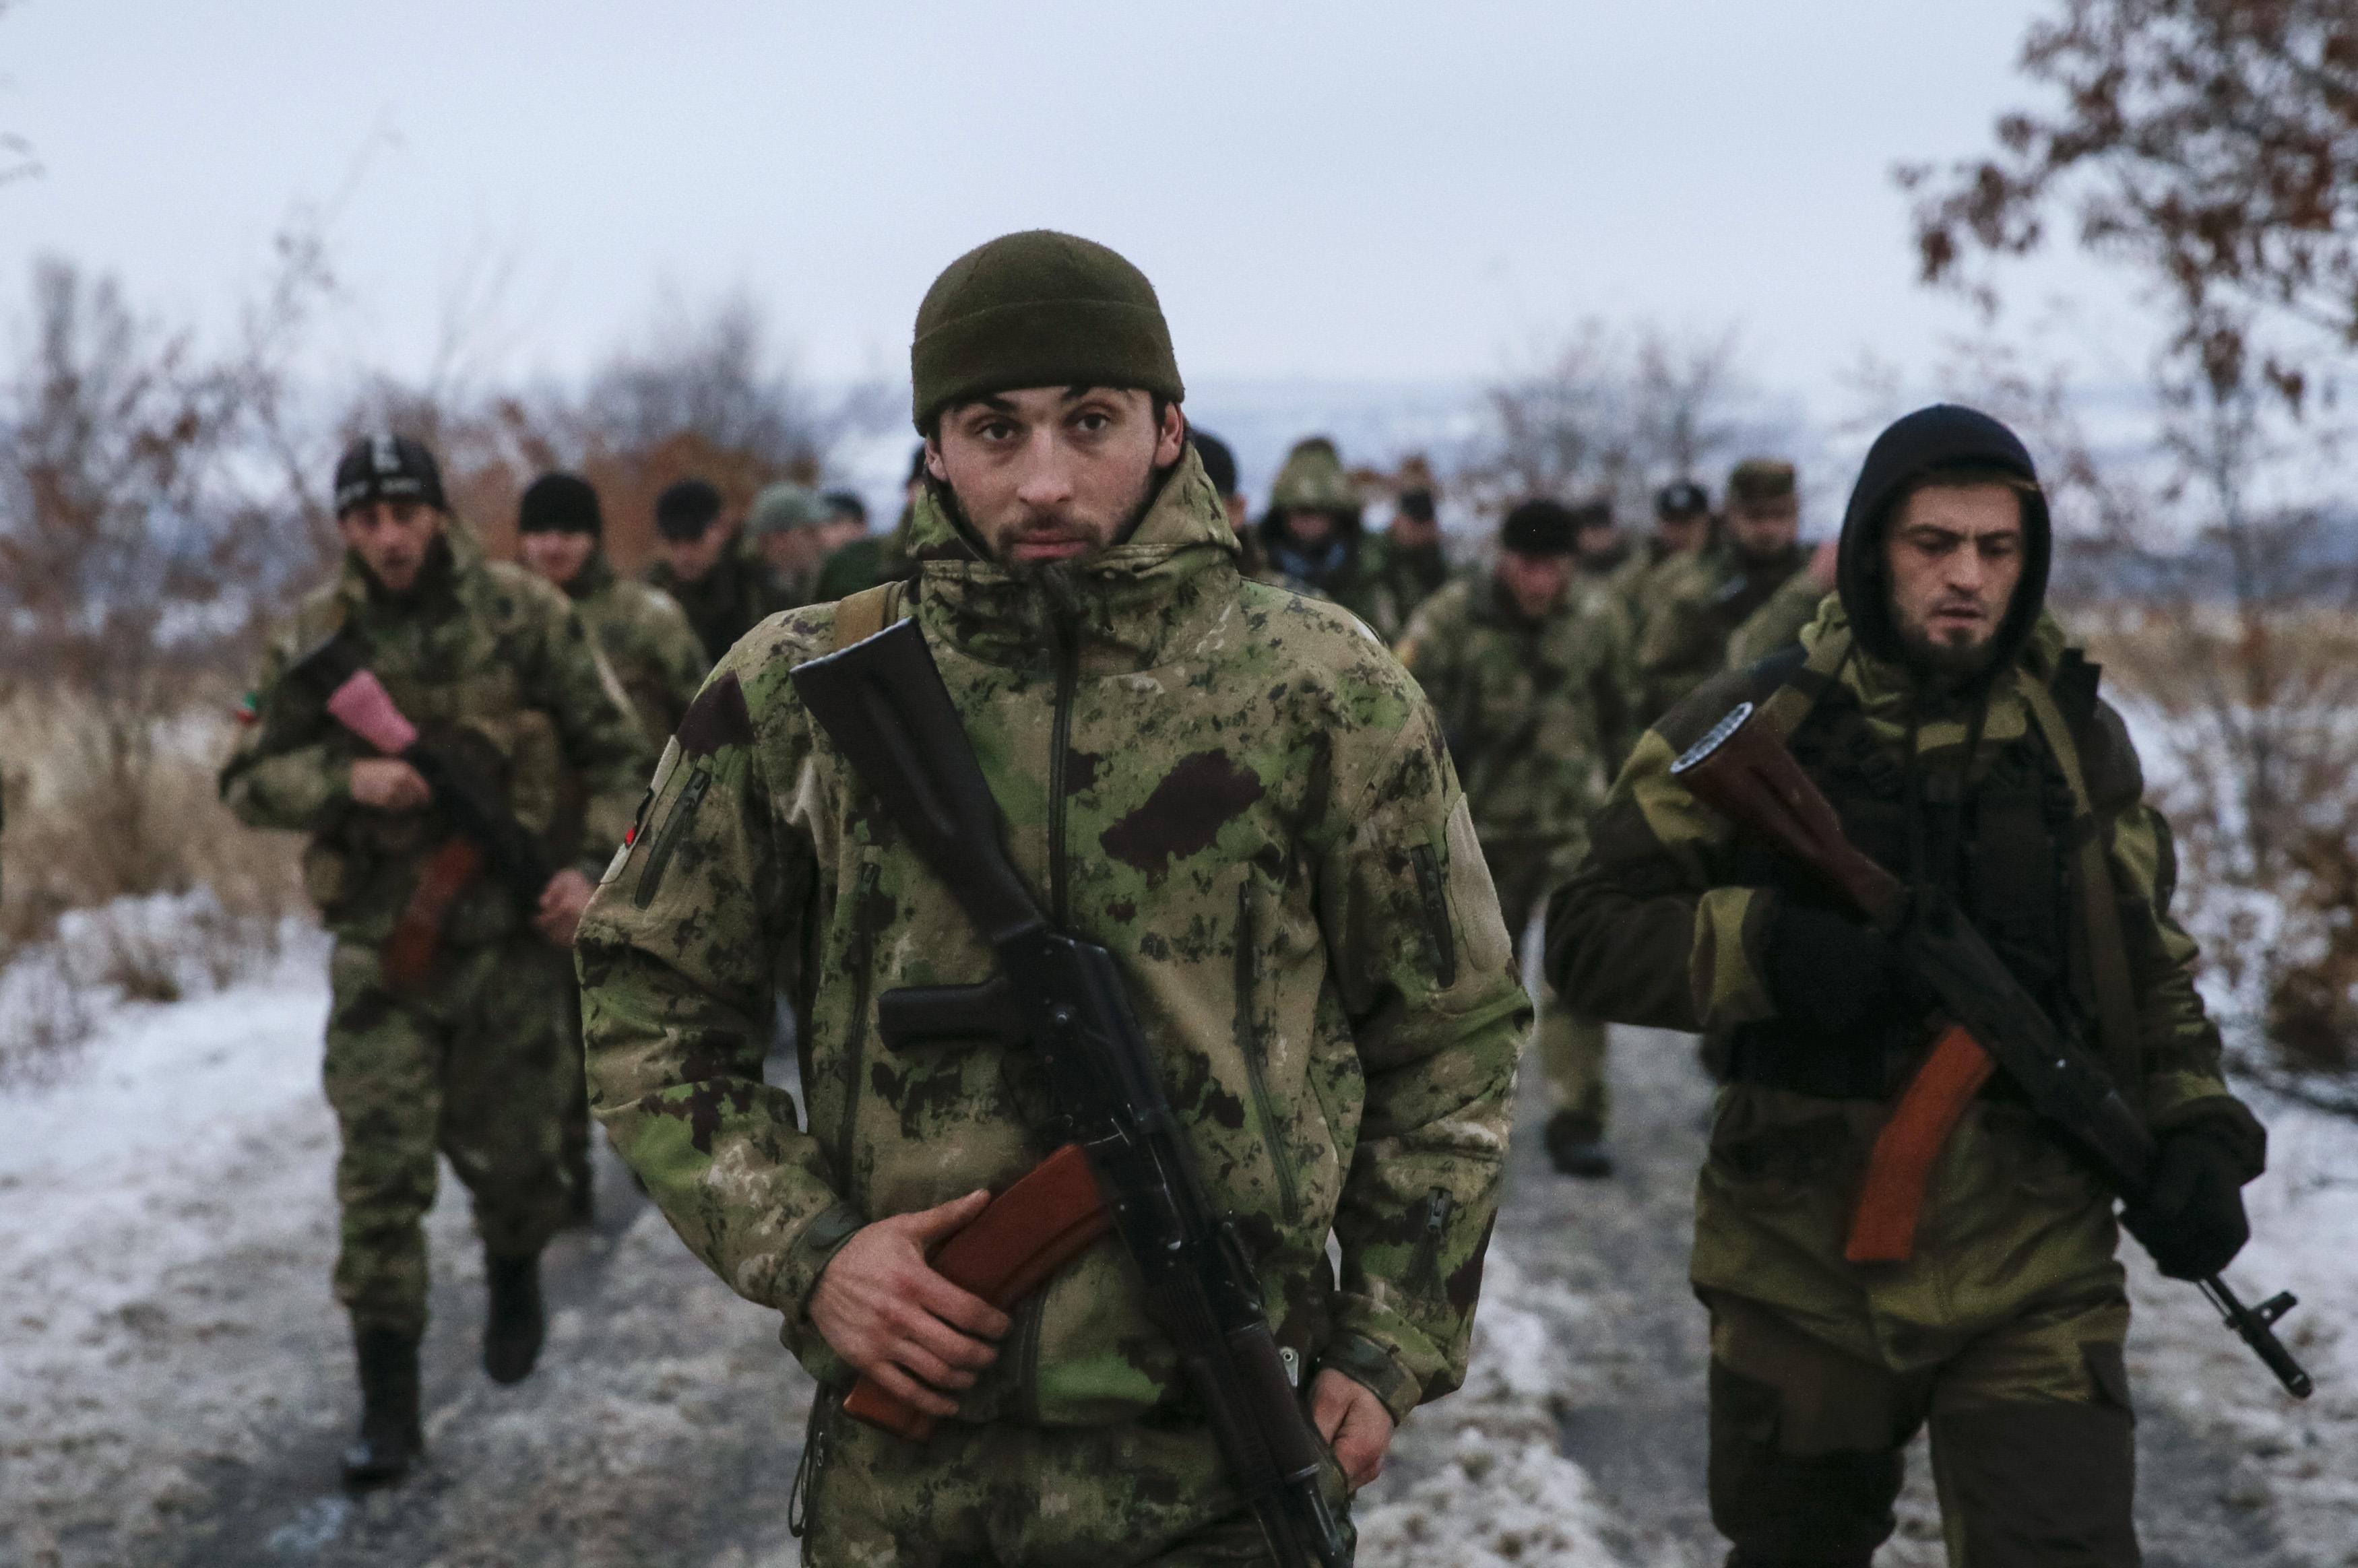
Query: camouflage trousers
<point x="1009" y="1497"/>
<point x="472" y="1067"/>
<point x="1571" y="1048"/>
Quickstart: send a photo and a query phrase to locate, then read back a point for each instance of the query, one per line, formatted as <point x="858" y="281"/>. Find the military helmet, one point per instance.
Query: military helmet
<point x="387" y="467"/>
<point x="1312" y="479"/>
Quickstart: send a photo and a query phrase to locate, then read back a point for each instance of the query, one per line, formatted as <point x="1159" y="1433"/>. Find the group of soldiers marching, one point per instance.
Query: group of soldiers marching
<point x="1315" y="790"/>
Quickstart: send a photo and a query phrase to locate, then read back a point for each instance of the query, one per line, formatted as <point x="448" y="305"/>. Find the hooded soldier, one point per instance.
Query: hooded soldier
<point x="1311" y="535"/>
<point x="1965" y="747"/>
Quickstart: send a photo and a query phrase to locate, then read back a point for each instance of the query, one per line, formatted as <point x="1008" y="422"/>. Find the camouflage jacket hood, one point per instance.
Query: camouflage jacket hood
<point x="1131" y="604"/>
<point x="1240" y="795"/>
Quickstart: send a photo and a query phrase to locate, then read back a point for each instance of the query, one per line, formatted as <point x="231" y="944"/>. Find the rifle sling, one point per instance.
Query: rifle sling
<point x="861" y="615"/>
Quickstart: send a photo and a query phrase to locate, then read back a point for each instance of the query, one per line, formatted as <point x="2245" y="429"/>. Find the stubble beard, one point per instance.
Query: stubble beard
<point x="1056" y="594"/>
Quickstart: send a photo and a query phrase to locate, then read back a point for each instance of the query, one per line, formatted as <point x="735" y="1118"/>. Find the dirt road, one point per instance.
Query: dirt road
<point x="175" y="1381"/>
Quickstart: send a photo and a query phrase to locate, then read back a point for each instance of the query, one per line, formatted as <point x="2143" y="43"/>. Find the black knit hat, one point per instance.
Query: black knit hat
<point x="684" y="511"/>
<point x="1416" y="504"/>
<point x="1219" y="462"/>
<point x="387" y="467"/>
<point x="1682" y="498"/>
<point x="560" y="504"/>
<point x="1942" y="439"/>
<point x="1540" y="527"/>
<point x="1037" y="308"/>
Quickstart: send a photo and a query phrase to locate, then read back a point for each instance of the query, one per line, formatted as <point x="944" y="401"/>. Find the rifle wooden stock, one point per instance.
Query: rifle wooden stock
<point x="1050" y="1217"/>
<point x="1743" y="770"/>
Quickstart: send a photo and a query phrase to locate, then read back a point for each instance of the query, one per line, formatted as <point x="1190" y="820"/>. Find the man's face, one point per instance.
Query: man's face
<point x="1414" y="532"/>
<point x="1239" y="511"/>
<point x="1683" y="535"/>
<point x="690" y="559"/>
<point x="556" y="554"/>
<point x="792" y="551"/>
<point x="839" y="531"/>
<point x="1763" y="528"/>
<point x="1051" y="473"/>
<point x="392" y="537"/>
<point x="1309" y="528"/>
<point x="1597" y="544"/>
<point x="1536" y="583"/>
<point x="1955" y="557"/>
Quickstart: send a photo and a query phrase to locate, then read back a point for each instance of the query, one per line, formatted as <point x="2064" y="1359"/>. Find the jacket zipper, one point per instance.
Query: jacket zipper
<point x="1060" y="738"/>
<point x="858" y="953"/>
<point x="1436" y="913"/>
<point x="1249" y="1042"/>
<point x="1425" y="1268"/>
<point x="675" y="824"/>
<point x="1060" y="741"/>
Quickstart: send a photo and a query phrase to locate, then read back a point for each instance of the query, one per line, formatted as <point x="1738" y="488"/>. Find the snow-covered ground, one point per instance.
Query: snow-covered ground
<point x="174" y="1377"/>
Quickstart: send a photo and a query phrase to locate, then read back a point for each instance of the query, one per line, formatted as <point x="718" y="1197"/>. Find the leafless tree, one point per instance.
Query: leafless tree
<point x="1609" y="412"/>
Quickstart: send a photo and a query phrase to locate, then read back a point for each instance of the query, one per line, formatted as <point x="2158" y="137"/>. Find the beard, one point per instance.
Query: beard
<point x="1056" y="595"/>
<point x="1951" y="664"/>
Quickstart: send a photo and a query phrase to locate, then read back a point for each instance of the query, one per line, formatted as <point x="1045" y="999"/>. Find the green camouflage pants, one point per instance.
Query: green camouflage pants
<point x="1571" y="1048"/>
<point x="472" y="1067"/>
<point x="2003" y="1333"/>
<point x="1005" y="1497"/>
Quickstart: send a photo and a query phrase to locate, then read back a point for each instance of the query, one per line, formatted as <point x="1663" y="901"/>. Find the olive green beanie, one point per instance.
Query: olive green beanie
<point x="1038" y="308"/>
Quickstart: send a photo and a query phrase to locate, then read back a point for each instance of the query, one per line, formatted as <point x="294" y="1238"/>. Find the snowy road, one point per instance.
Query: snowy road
<point x="175" y="1381"/>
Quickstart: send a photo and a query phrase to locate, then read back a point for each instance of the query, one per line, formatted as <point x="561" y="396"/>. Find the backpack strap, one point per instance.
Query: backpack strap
<point x="861" y="615"/>
<point x="1796" y="684"/>
<point x="2108" y="952"/>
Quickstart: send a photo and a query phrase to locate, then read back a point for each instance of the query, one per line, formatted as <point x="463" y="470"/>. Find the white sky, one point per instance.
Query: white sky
<point x="1375" y="190"/>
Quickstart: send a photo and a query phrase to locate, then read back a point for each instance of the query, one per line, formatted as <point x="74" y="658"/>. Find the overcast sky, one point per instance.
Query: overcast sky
<point x="1376" y="190"/>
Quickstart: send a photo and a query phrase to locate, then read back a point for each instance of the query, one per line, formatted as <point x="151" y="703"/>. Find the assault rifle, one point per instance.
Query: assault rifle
<point x="1742" y="769"/>
<point x="883" y="702"/>
<point x="337" y="671"/>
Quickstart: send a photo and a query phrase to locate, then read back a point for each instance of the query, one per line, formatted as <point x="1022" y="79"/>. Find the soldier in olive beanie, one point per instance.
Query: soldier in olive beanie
<point x="1038" y="308"/>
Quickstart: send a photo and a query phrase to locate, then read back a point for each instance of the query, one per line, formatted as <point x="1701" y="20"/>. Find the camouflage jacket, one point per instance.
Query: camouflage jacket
<point x="1660" y="927"/>
<point x="489" y="662"/>
<point x="1236" y="791"/>
<point x="727" y="601"/>
<point x="1779" y="622"/>
<point x="646" y="640"/>
<point x="1406" y="577"/>
<point x="852" y="568"/>
<point x="1537" y="714"/>
<point x="1692" y="607"/>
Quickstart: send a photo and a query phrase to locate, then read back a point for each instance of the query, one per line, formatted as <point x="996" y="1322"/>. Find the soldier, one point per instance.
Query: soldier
<point x="855" y="558"/>
<point x="1964" y="747"/>
<point x="1408" y="562"/>
<point x="1311" y="535"/>
<point x="1779" y="622"/>
<point x="1533" y="676"/>
<point x="1694" y="606"/>
<point x="493" y="665"/>
<point x="1220" y="468"/>
<point x="1234" y="790"/>
<point x="787" y="524"/>
<point x="1602" y="555"/>
<point x="654" y="653"/>
<point x="719" y="581"/>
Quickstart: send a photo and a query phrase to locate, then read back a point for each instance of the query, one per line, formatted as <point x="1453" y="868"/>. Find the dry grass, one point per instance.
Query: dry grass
<point x="93" y="825"/>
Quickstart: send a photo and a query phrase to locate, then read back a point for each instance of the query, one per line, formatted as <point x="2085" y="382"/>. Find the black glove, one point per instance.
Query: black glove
<point x="1831" y="974"/>
<point x="2191" y="1217"/>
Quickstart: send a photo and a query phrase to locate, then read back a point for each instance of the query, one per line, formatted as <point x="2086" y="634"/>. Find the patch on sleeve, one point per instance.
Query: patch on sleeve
<point x="717" y="717"/>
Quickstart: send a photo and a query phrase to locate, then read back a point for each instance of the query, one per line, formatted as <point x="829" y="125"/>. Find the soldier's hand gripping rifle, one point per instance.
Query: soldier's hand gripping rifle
<point x="486" y="830"/>
<point x="882" y="703"/>
<point x="1742" y="770"/>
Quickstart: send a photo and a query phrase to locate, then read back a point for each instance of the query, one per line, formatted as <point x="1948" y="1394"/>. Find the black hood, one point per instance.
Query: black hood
<point x="1944" y="435"/>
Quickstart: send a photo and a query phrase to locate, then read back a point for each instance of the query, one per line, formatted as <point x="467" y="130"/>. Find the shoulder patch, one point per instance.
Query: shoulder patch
<point x="717" y="717"/>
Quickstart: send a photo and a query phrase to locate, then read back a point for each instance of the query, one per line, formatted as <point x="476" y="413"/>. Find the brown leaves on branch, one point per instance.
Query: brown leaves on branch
<point x="2213" y="143"/>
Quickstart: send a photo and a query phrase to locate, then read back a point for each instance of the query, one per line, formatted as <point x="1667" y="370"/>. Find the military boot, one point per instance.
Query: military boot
<point x="390" y="1439"/>
<point x="512" y="1331"/>
<point x="1575" y="1146"/>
